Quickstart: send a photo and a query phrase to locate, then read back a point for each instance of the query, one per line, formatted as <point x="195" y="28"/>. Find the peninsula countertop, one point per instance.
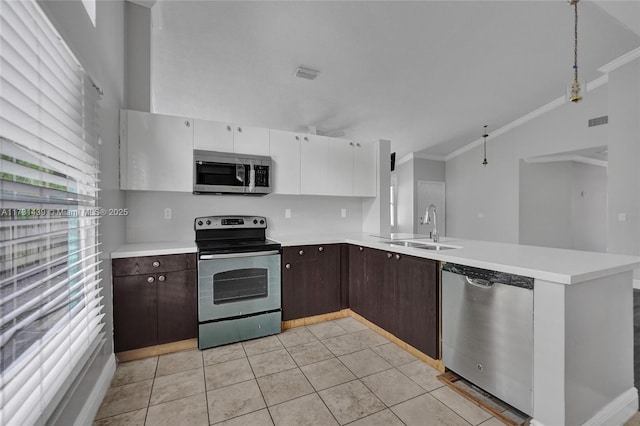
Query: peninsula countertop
<point x="551" y="264"/>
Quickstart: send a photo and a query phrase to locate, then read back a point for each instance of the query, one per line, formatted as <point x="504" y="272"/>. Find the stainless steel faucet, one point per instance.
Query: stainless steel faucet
<point x="434" y="235"/>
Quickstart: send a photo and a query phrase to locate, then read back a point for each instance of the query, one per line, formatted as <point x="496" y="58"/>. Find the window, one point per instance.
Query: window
<point x="50" y="302"/>
<point x="392" y="205"/>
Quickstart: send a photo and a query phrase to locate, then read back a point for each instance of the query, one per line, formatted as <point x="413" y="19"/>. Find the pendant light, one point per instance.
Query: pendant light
<point x="576" y="89"/>
<point x="485" y="136"/>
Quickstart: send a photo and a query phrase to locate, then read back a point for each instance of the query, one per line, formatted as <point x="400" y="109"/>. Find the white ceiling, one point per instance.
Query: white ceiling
<point x="426" y="75"/>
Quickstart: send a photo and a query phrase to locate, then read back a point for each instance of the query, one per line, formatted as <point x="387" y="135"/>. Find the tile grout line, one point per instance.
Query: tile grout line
<point x="258" y="384"/>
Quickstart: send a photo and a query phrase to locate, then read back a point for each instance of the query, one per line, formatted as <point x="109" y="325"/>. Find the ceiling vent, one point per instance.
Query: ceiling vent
<point x="599" y="121"/>
<point x="307" y="73"/>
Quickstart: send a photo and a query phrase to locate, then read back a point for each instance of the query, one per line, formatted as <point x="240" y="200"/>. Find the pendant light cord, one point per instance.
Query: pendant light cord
<point x="575" y="45"/>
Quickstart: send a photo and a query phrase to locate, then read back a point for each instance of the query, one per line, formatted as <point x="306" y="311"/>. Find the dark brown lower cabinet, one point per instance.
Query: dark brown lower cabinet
<point x="398" y="293"/>
<point x="417" y="304"/>
<point x="154" y="308"/>
<point x="311" y="282"/>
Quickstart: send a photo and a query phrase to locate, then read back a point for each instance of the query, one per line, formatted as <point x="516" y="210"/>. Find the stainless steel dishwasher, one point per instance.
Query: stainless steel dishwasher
<point x="487" y="331"/>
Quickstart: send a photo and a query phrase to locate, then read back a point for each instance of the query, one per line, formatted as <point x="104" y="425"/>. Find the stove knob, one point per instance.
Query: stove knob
<point x="208" y="222"/>
<point x="255" y="221"/>
<point x="200" y="223"/>
<point x="261" y="221"/>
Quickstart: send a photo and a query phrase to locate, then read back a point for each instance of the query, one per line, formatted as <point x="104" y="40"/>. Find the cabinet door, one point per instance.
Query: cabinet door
<point x="250" y="140"/>
<point x="313" y="165"/>
<point x="298" y="269"/>
<point x="310" y="281"/>
<point x="381" y="283"/>
<point x="340" y="167"/>
<point x="418" y="304"/>
<point x="364" y="170"/>
<point x="156" y="152"/>
<point x="326" y="291"/>
<point x="284" y="148"/>
<point x="357" y="289"/>
<point x="177" y="306"/>
<point x="135" y="323"/>
<point x="212" y="136"/>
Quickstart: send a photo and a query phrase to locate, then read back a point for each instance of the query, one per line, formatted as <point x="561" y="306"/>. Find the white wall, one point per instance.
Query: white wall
<point x="589" y="207"/>
<point x="482" y="201"/>
<point x="546" y="193"/>
<point x="624" y="160"/>
<point x="563" y="204"/>
<point x="100" y="49"/>
<point x="309" y="214"/>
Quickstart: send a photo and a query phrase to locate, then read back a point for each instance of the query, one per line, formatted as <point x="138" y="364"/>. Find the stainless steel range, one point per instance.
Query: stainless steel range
<point x="238" y="280"/>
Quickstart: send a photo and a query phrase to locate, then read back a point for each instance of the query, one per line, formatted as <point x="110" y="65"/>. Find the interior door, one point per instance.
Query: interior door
<point x="431" y="193"/>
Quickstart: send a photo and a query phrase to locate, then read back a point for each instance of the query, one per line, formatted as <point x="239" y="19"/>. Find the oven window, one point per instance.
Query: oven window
<point x="240" y="284"/>
<point x="221" y="174"/>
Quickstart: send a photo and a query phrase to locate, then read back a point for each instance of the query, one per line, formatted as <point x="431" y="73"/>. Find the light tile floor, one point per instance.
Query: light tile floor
<point x="335" y="372"/>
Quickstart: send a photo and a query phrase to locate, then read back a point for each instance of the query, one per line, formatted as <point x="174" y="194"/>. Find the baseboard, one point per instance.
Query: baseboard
<point x="618" y="411"/>
<point x="149" y="351"/>
<point x="636" y="284"/>
<point x="91" y="406"/>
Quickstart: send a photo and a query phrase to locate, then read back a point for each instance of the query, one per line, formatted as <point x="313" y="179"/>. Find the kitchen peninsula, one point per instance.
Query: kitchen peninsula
<point x="583" y="336"/>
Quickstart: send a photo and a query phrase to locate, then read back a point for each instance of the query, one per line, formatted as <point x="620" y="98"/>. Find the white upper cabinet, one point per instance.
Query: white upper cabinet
<point x="285" y="157"/>
<point x="365" y="176"/>
<point x="155" y="152"/>
<point x="212" y="136"/>
<point x="340" y="167"/>
<point x="225" y="137"/>
<point x="314" y="165"/>
<point x="250" y="140"/>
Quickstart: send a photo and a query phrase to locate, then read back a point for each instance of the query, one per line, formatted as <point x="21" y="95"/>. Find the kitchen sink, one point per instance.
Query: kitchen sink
<point x="423" y="246"/>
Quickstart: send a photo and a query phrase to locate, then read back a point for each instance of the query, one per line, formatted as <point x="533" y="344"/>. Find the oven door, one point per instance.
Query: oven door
<point x="238" y="284"/>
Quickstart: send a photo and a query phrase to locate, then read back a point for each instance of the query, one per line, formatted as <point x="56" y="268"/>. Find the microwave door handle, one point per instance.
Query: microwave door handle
<point x="252" y="178"/>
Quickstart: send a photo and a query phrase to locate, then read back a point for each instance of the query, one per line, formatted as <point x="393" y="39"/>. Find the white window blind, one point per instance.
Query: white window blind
<point x="50" y="293"/>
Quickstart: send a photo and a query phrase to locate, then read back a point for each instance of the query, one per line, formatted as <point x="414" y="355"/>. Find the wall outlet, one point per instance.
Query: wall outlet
<point x="287" y="213"/>
<point x="343" y="212"/>
<point x="622" y="217"/>
<point x="480" y="215"/>
<point x="167" y="213"/>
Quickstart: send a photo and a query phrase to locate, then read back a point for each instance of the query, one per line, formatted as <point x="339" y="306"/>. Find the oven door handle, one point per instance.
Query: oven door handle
<point x="235" y="255"/>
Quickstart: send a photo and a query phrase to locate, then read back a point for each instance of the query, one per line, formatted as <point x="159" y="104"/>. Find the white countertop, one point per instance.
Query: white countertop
<point x="550" y="264"/>
<point x="154" y="249"/>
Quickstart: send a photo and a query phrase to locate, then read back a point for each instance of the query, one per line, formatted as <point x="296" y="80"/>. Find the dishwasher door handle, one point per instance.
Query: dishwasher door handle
<point x="478" y="282"/>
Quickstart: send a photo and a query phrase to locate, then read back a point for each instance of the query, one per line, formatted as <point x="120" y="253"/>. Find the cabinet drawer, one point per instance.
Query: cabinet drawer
<point x="153" y="264"/>
<point x="302" y="253"/>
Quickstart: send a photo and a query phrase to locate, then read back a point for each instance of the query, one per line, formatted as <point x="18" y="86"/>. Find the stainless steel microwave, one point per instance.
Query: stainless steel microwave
<point x="229" y="173"/>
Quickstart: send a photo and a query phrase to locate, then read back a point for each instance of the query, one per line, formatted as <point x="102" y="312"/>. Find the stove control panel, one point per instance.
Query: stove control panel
<point x="230" y="222"/>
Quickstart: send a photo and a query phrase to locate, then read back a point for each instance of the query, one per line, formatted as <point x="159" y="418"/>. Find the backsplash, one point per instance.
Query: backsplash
<point x="309" y="214"/>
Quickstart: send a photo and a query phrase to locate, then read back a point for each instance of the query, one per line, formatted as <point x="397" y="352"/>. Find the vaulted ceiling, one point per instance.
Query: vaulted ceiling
<point x="426" y="75"/>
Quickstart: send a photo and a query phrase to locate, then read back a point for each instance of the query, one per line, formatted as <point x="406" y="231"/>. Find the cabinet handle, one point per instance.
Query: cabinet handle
<point x="162" y="278"/>
<point x="301" y="252"/>
<point x="150" y="279"/>
<point x="288" y="266"/>
<point x="358" y="144"/>
<point x="239" y="129"/>
<point x="228" y="128"/>
<point x="306" y="138"/>
<point x="361" y="248"/>
<point x="187" y="123"/>
<point x="389" y="255"/>
<point x="320" y="248"/>
<point x="297" y="138"/>
<point x="397" y="257"/>
<point x="156" y="264"/>
<point x="350" y="143"/>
